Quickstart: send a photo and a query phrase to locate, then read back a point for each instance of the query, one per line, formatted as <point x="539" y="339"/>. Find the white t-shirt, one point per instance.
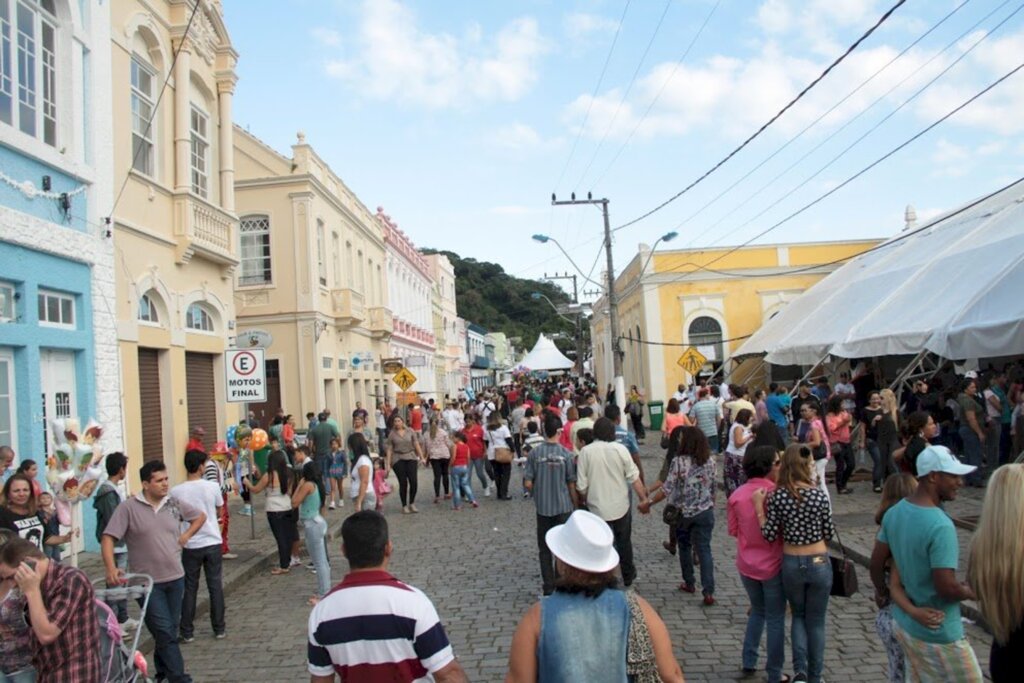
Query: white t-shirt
<point x="496" y="437"/>
<point x="993" y="413"/>
<point x="455" y="420"/>
<point x="363" y="461"/>
<point x="206" y="496"/>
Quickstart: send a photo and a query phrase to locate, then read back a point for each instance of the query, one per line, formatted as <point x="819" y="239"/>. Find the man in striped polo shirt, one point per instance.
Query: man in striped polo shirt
<point x="371" y="626"/>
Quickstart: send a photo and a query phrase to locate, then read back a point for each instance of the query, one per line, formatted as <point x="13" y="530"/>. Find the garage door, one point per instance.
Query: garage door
<point x="202" y="397"/>
<point x="149" y="401"/>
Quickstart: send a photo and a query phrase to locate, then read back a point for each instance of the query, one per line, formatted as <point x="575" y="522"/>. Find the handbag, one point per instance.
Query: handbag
<point x="670" y="515"/>
<point x="502" y="455"/>
<point x="641" y="665"/>
<point x="844" y="574"/>
<point x="664" y="439"/>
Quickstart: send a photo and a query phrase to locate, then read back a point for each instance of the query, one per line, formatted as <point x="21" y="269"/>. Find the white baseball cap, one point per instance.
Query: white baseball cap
<point x="939" y="459"/>
<point x="585" y="542"/>
<point x="971" y="374"/>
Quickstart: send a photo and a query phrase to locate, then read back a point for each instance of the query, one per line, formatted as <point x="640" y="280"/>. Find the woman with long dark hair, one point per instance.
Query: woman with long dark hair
<point x="674" y="439"/>
<point x="740" y="437"/>
<point x="21" y="515"/>
<point x="439" y="451"/>
<point x="277" y="481"/>
<point x="499" y="450"/>
<point x="405" y="455"/>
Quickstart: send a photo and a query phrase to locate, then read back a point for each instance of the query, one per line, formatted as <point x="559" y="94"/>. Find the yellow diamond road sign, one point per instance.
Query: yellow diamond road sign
<point x="692" y="360"/>
<point x="404" y="379"/>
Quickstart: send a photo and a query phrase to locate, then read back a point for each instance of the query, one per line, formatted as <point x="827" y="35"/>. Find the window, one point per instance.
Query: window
<point x="321" y="266"/>
<point x="351" y="265"/>
<point x="56" y="309"/>
<point x="142" y="112"/>
<point x="336" y="258"/>
<point x="28" y="67"/>
<point x="8" y="433"/>
<point x="200" y="153"/>
<point x="328" y="362"/>
<point x="6" y="302"/>
<point x="706" y="334"/>
<point x="198" y="318"/>
<point x="147" y="310"/>
<point x="255" y="231"/>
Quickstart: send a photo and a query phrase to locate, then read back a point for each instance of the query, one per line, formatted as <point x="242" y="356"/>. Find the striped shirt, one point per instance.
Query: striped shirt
<point x="373" y="627"/>
<point x="550" y="467"/>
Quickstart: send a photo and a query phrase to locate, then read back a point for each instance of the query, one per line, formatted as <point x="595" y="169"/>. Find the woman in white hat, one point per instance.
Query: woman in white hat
<point x="593" y="631"/>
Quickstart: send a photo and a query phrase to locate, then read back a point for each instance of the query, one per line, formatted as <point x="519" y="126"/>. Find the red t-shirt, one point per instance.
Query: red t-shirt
<point x="511" y="396"/>
<point x="416" y="420"/>
<point x="461" y="458"/>
<point x="475" y="441"/>
<point x="195" y="444"/>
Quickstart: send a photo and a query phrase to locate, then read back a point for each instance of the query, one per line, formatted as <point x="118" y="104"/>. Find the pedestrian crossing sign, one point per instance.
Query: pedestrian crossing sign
<point x="404" y="379"/>
<point x="692" y="360"/>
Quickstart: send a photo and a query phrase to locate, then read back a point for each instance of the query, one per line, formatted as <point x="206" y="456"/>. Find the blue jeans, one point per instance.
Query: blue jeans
<point x="323" y="462"/>
<point x="807" y="582"/>
<point x="461" y="487"/>
<point x="767" y="605"/>
<point x="163" y="617"/>
<point x="783" y="433"/>
<point x="972" y="454"/>
<point x="26" y="675"/>
<point x="316" y="533"/>
<point x="713" y="443"/>
<point x="696" y="531"/>
<point x="479" y="467"/>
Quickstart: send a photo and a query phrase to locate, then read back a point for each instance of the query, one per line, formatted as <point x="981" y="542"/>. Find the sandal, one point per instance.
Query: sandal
<point x="277" y="571"/>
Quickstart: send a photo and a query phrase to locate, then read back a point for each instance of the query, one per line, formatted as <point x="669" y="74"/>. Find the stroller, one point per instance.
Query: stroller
<point x="121" y="661"/>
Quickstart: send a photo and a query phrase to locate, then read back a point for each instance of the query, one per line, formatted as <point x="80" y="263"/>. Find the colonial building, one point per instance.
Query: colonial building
<point x="58" y="335"/>
<point x="311" y="282"/>
<point x="409" y="297"/>
<point x="711" y="299"/>
<point x="174" y="222"/>
<point x="449" y="377"/>
<point x="480" y="375"/>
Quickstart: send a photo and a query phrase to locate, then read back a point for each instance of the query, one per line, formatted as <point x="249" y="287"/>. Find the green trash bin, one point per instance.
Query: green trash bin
<point x="657" y="413"/>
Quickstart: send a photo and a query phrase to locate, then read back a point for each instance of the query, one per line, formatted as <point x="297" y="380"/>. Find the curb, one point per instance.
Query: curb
<point x="968" y="608"/>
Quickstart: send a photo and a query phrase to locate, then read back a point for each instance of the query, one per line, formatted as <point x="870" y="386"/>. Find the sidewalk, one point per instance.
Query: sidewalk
<point x="255" y="556"/>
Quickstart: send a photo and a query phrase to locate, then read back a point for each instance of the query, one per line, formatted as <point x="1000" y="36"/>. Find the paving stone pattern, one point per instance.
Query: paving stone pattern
<point x="480" y="569"/>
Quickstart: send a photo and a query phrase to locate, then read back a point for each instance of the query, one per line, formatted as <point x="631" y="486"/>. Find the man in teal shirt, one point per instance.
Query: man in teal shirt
<point x="921" y="540"/>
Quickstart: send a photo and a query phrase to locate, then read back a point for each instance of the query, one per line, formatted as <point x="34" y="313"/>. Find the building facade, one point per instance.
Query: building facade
<point x="175" y="226"/>
<point x="312" y="278"/>
<point x="410" y="298"/>
<point x="711" y="299"/>
<point x="480" y="376"/>
<point x="58" y="332"/>
<point x="446" y="328"/>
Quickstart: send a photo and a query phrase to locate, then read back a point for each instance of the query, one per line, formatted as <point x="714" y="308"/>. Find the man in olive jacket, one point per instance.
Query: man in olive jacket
<point x="106" y="500"/>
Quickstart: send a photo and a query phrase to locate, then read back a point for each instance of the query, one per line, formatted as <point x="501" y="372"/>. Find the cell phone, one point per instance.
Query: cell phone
<point x="30" y="563"/>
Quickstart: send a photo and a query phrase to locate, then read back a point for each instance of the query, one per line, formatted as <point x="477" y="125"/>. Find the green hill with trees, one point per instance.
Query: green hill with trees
<point x="490" y="297"/>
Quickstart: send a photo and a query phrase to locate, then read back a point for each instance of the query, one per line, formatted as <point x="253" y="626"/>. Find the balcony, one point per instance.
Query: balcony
<point x="204" y="230"/>
<point x="381" y="322"/>
<point x="348" y="305"/>
<point x="480" y="362"/>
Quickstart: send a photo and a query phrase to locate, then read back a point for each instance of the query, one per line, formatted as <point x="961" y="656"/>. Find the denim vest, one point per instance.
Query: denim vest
<point x="583" y="639"/>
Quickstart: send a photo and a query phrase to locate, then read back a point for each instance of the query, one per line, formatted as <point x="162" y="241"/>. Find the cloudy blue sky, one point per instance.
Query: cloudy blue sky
<point x="461" y="118"/>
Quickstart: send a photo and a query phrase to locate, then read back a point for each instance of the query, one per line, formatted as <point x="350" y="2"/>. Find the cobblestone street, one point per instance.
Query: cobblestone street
<point x="480" y="569"/>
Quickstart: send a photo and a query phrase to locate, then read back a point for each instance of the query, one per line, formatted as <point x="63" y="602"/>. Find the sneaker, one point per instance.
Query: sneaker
<point x="687" y="588"/>
<point x="246" y="511"/>
<point x="406" y="510"/>
<point x="311" y="567"/>
<point x="412" y="508"/>
<point x="296" y="562"/>
<point x="487" y="491"/>
<point x="331" y="506"/>
<point x="186" y="639"/>
<point x="229" y="556"/>
<point x="220" y="636"/>
<point x="341" y="503"/>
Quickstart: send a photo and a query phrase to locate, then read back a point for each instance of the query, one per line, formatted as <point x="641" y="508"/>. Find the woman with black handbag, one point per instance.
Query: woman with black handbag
<point x="670" y="515"/>
<point x="801" y="513"/>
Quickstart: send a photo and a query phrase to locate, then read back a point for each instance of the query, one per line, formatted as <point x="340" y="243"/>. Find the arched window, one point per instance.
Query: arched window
<point x="198" y="318"/>
<point x="255" y="250"/>
<point x="706" y="332"/>
<point x="28" y="68"/>
<point x="147" y="310"/>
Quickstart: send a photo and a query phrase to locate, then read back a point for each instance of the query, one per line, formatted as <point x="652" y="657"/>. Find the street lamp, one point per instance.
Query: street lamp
<point x="544" y="239"/>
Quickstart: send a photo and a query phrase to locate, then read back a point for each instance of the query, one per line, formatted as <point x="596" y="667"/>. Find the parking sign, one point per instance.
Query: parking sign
<point x="246" y="379"/>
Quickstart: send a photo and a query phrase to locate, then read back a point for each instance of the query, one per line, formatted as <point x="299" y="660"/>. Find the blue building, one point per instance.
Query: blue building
<point x="58" y="336"/>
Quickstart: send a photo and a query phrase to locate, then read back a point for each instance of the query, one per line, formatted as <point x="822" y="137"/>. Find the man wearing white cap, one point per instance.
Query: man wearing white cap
<point x="921" y="539"/>
<point x="586" y="622"/>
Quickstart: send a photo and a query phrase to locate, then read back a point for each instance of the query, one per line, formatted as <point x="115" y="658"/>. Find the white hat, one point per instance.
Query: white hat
<point x="584" y="542"/>
<point x="971" y="374"/>
<point x="939" y="459"/>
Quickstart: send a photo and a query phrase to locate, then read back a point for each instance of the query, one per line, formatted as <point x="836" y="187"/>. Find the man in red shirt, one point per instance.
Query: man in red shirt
<point x="416" y="418"/>
<point x="477" y="452"/>
<point x="195" y="440"/>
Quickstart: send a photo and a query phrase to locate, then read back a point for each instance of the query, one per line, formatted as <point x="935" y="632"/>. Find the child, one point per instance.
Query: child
<point x="50" y="521"/>
<point x="460" y="473"/>
<point x="381" y="487"/>
<point x="338" y="472"/>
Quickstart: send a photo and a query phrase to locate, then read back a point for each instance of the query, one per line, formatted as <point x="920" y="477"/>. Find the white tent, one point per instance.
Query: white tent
<point x="952" y="287"/>
<point x="545" y="356"/>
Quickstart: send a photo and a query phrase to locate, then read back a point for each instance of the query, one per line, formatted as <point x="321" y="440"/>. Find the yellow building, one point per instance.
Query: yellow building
<point x="312" y="277"/>
<point x="708" y="298"/>
<point x="175" y="228"/>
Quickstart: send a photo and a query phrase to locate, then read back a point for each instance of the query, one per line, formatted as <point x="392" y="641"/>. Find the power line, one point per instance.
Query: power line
<point x="770" y="121"/>
<point x="836" y="106"/>
<point x="625" y="94"/>
<point x="659" y="343"/>
<point x="860" y="139"/>
<point x="597" y="87"/>
<point x="156" y="107"/>
<point x="657" y="97"/>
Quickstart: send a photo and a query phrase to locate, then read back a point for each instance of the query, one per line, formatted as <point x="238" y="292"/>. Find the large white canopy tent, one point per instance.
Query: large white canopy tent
<point x="953" y="287"/>
<point x="545" y="356"/>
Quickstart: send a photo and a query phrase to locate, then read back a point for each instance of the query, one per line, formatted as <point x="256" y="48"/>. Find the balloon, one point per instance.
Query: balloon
<point x="259" y="439"/>
<point x="230" y="436"/>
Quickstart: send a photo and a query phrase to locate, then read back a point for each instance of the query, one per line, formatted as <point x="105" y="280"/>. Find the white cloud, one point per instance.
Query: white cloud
<point x="394" y="59"/>
<point x="812" y="22"/>
<point x="326" y="36"/>
<point x="580" y="26"/>
<point x="517" y="136"/>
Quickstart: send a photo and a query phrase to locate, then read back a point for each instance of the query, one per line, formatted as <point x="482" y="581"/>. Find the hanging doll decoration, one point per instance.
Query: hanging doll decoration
<point x="74" y="469"/>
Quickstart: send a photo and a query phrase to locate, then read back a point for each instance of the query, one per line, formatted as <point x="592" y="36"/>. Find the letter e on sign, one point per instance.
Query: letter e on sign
<point x="245" y="376"/>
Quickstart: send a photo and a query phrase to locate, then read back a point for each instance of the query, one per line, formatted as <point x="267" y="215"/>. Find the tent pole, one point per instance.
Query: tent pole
<point x="810" y="374"/>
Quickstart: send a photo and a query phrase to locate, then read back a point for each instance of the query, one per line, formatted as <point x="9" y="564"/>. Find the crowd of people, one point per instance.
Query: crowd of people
<point x="764" y="454"/>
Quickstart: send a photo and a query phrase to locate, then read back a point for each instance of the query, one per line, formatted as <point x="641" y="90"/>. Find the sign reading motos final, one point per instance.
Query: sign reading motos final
<point x="246" y="379"/>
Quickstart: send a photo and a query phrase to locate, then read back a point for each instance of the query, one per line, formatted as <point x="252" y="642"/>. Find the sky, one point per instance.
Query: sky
<point x="461" y="118"/>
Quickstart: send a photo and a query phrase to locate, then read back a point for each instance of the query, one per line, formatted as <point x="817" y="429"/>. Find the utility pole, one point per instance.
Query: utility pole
<point x="579" y="316"/>
<point x="613" y="302"/>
